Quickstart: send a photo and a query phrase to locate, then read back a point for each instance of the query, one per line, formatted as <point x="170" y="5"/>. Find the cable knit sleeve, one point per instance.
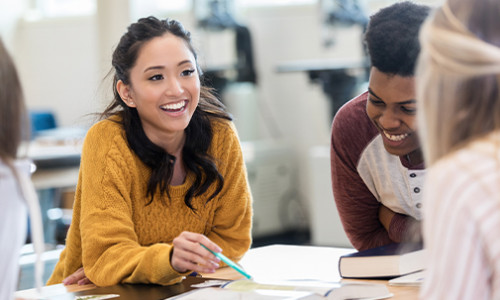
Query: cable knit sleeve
<point x="232" y="218"/>
<point x="111" y="252"/>
<point x="119" y="236"/>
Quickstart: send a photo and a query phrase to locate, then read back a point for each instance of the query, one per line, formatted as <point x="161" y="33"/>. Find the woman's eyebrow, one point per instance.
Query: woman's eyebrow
<point x="159" y="67"/>
<point x="187" y="61"/>
<point x="153" y="68"/>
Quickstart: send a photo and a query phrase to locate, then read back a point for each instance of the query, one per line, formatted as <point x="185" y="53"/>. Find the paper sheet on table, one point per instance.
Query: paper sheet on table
<point x="222" y="294"/>
<point x="288" y="262"/>
<point x="413" y="279"/>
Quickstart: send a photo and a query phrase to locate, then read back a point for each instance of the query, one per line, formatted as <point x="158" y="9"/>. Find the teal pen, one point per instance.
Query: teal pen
<point x="229" y="262"/>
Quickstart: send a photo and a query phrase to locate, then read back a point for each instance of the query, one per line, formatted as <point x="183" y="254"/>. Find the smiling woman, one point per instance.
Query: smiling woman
<point x="161" y="175"/>
<point x="165" y="89"/>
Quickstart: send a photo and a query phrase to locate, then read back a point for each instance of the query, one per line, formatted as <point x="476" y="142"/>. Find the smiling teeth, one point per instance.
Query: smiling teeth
<point x="174" y="106"/>
<point x="395" y="138"/>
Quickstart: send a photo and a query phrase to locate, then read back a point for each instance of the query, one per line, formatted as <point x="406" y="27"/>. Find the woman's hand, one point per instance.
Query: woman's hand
<point x="77" y="277"/>
<point x="189" y="255"/>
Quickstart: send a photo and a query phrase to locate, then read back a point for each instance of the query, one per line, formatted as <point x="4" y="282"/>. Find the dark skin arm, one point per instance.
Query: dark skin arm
<point x="385" y="216"/>
<point x="413" y="234"/>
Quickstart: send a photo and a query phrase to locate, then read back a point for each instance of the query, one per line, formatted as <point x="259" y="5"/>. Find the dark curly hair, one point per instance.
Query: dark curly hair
<point x="198" y="133"/>
<point x="392" y="37"/>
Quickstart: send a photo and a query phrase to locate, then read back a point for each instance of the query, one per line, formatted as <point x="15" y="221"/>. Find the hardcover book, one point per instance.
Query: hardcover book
<point x="383" y="262"/>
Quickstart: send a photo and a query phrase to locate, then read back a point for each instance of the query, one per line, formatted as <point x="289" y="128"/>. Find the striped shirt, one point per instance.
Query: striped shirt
<point x="462" y="223"/>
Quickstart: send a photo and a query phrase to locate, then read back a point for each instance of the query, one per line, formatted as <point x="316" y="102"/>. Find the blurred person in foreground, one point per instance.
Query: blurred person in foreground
<point x="17" y="194"/>
<point x="458" y="92"/>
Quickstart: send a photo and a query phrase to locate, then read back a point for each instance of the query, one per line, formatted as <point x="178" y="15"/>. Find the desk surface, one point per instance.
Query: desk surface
<point x="288" y="262"/>
<point x="55" y="166"/>
<point x="56" y="154"/>
<point x="257" y="262"/>
<point x="126" y="291"/>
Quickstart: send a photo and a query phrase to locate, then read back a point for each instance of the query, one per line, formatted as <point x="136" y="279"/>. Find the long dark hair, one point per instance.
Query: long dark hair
<point x="198" y="133"/>
<point x="13" y="112"/>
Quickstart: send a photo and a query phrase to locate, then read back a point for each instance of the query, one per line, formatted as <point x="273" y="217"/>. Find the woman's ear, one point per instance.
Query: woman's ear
<point x="125" y="93"/>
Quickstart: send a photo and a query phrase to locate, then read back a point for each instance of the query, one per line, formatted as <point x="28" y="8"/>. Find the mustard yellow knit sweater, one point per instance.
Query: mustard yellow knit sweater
<point x="117" y="238"/>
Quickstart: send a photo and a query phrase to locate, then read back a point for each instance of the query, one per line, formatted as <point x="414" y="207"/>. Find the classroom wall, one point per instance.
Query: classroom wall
<point x="299" y="108"/>
<point x="56" y="75"/>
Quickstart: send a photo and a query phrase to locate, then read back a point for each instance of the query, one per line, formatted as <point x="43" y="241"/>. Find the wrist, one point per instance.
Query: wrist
<point x="385" y="216"/>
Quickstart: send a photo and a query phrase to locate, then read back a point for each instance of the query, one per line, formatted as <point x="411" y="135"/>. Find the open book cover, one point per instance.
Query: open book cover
<point x="385" y="262"/>
<point x="290" y="290"/>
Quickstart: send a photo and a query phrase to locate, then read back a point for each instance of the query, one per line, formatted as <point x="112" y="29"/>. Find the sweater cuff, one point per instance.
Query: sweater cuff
<point x="180" y="276"/>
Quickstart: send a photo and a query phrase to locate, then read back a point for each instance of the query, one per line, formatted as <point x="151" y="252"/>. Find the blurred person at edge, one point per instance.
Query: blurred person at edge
<point x="458" y="100"/>
<point x="18" y="196"/>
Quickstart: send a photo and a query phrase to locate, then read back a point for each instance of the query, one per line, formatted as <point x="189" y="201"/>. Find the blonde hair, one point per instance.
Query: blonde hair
<point x="458" y="76"/>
